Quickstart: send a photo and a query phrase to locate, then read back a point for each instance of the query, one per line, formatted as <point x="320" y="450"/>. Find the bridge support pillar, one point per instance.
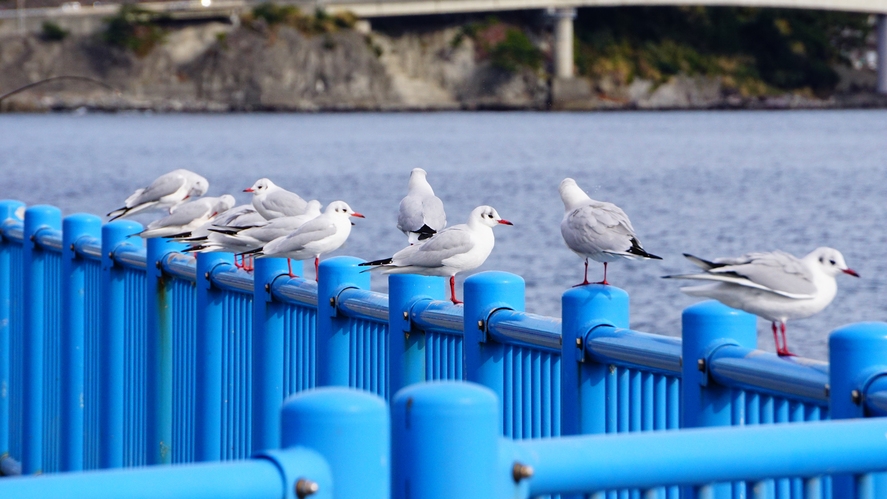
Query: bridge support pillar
<point x="563" y="42"/>
<point x="882" y="53"/>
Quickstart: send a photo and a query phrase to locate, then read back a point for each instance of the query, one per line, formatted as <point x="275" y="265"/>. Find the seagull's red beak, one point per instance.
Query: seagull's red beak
<point x="186" y="197"/>
<point x="248" y="189"/>
<point x="505" y="222"/>
<point x="358" y="215"/>
<point x="851" y="272"/>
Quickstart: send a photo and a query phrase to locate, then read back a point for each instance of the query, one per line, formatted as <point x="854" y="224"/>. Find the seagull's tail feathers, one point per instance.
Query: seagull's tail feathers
<point x="376" y="263"/>
<point x="638" y="251"/>
<point x="425" y="232"/>
<point x="129" y="210"/>
<point x="703" y="264"/>
<point x="256" y="252"/>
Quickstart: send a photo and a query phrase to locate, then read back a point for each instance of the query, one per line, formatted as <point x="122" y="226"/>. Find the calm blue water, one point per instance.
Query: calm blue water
<point x="708" y="183"/>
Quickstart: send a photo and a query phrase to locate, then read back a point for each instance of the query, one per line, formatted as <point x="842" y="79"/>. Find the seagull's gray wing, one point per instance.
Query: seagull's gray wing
<point x="409" y="215"/>
<point x="313" y="230"/>
<point x="777" y="271"/>
<point x="435" y="216"/>
<point x="445" y="244"/>
<point x="598" y="227"/>
<point x="286" y="202"/>
<point x="163" y="185"/>
<point x="185" y="214"/>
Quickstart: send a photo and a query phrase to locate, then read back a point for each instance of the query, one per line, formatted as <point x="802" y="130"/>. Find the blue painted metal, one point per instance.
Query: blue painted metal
<point x="334" y="333"/>
<point x="35" y="268"/>
<point x="857" y="356"/>
<point x="407" y="343"/>
<point x="73" y="337"/>
<point x="351" y="430"/>
<point x="485" y="293"/>
<point x="116" y="334"/>
<point x="208" y="361"/>
<point x="442" y="324"/>
<point x="8" y="293"/>
<point x="765" y="373"/>
<point x="875" y="397"/>
<point x="445" y="442"/>
<point x="92" y="348"/>
<point x="237" y="359"/>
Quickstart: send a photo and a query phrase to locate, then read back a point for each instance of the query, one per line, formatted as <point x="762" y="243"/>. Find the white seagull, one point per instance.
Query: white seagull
<point x="166" y="191"/>
<point x="455" y="249"/>
<point x="188" y="216"/>
<point x="597" y="229"/>
<point x="776" y="286"/>
<point x="317" y="236"/>
<point x="272" y="201"/>
<point x="421" y="213"/>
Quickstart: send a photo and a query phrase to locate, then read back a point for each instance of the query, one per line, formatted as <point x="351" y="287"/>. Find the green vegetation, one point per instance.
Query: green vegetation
<point x="287" y="15"/>
<point x="755" y="51"/>
<point x="506" y="46"/>
<point x="52" y="32"/>
<point x="134" y="29"/>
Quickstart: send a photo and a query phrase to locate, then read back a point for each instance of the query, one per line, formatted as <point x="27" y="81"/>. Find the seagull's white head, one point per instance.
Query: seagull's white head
<point x="225" y="203"/>
<point x="486" y="215"/>
<point x="418" y="182"/>
<point x="341" y="208"/>
<point x="261" y="185"/>
<point x="831" y="261"/>
<point x="571" y="194"/>
<point x="198" y="188"/>
<point x="313" y="207"/>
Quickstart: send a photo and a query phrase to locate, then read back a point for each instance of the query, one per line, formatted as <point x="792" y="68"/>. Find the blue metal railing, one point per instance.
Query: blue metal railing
<point x="160" y="358"/>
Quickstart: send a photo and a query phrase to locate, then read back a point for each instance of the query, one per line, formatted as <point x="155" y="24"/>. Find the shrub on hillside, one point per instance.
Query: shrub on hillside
<point x="134" y="29"/>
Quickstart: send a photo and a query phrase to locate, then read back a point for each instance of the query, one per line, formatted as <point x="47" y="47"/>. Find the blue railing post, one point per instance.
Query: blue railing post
<point x="333" y="332"/>
<point x="74" y="228"/>
<point x="445" y="442"/>
<point x="406" y="347"/>
<point x="208" y="364"/>
<point x="159" y="353"/>
<point x="708" y="326"/>
<point x="584" y="383"/>
<point x="351" y="430"/>
<point x="7" y="211"/>
<point x="485" y="293"/>
<point x="268" y="346"/>
<point x="113" y="332"/>
<point x="34" y="269"/>
<point x="857" y="354"/>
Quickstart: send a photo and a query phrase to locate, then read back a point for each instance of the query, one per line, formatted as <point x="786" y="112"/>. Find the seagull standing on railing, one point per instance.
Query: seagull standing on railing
<point x="167" y="191"/>
<point x="272" y="201"/>
<point x="455" y="249"/>
<point x="421" y="213"/>
<point x="188" y="216"/>
<point x="597" y="230"/>
<point x="776" y="286"/>
<point x="317" y="236"/>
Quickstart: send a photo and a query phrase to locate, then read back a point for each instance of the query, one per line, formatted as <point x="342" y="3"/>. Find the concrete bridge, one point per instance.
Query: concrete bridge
<point x="564" y="11"/>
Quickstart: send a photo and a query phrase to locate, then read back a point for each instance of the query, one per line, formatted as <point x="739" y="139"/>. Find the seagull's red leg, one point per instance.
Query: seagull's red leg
<point x="289" y="265"/>
<point x="316" y="267"/>
<point x="584" y="281"/>
<point x="236" y="265"/>
<point x="453" y="290"/>
<point x="776" y="338"/>
<point x="604" y="282"/>
<point x="785" y="352"/>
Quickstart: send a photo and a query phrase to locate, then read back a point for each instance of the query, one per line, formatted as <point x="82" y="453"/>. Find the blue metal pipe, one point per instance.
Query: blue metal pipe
<point x="524" y="329"/>
<point x="333" y="332"/>
<point x="115" y="239"/>
<point x="585" y="407"/>
<point x="699" y="456"/>
<point x="208" y="364"/>
<point x="8" y="209"/>
<point x="486" y="293"/>
<point x="296" y="291"/>
<point x="440" y="316"/>
<point x="363" y="304"/>
<point x="406" y="342"/>
<point x="351" y="430"/>
<point x="73" y="290"/>
<point x="633" y="349"/>
<point x="857" y="355"/>
<point x="268" y="347"/>
<point x="764" y="372"/>
<point x="37" y="218"/>
<point x="875" y="397"/>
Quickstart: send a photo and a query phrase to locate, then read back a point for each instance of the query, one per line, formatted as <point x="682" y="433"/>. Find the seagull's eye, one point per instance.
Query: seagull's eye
<point x="822" y="260"/>
<point x="831" y="262"/>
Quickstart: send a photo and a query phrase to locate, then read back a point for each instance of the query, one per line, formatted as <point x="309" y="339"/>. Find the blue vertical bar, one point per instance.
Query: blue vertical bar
<point x="33" y="265"/>
<point x="583" y="382"/>
<point x="208" y="368"/>
<point x="159" y="353"/>
<point x="7" y="211"/>
<point x="113" y="332"/>
<point x="857" y="353"/>
<point x="268" y="348"/>
<point x="74" y="228"/>
<point x="406" y="347"/>
<point x="485" y="293"/>
<point x="333" y="331"/>
<point x="706" y="327"/>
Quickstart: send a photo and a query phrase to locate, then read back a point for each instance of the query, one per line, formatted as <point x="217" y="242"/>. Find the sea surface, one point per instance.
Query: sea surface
<point x="709" y="183"/>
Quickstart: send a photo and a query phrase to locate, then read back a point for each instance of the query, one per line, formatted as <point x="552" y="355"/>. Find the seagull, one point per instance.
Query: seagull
<point x="272" y="201"/>
<point x="597" y="229"/>
<point x="421" y="213"/>
<point x="166" y="191"/>
<point x="188" y="217"/>
<point x="775" y="286"/>
<point x="317" y="236"/>
<point x="455" y="249"/>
